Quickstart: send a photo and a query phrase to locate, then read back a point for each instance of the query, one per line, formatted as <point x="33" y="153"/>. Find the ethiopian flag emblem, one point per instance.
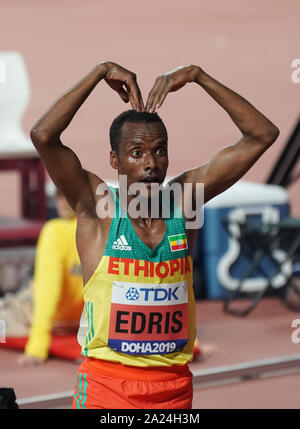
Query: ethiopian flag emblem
<point x="178" y="242"/>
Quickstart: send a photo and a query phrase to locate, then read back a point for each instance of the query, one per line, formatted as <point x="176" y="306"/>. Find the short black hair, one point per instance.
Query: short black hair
<point x="130" y="116"/>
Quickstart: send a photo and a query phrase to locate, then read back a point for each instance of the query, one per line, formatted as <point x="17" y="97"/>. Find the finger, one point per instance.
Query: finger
<point x="132" y="102"/>
<point x="131" y="98"/>
<point x="151" y="97"/>
<point x="142" y="103"/>
<point x="138" y="98"/>
<point x="160" y="88"/>
<point x="124" y="95"/>
<point x="161" y="99"/>
<point x="118" y="87"/>
<point x="149" y="100"/>
<point x="166" y="88"/>
<point x="134" y="94"/>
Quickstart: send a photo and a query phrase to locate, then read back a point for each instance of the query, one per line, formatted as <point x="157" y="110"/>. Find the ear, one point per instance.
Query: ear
<point x="114" y="160"/>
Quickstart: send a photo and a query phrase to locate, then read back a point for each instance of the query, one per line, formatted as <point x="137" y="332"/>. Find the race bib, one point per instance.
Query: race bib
<point x="148" y="318"/>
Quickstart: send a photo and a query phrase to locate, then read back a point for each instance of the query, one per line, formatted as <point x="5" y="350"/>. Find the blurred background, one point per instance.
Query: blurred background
<point x="250" y="46"/>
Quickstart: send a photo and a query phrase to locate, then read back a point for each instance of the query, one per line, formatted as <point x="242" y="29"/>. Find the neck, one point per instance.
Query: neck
<point x="140" y="207"/>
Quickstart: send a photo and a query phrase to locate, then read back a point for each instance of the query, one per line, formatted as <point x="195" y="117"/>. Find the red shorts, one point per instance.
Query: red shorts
<point x="106" y="385"/>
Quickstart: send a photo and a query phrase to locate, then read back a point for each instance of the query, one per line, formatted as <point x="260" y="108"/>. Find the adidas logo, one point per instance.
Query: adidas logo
<point x="121" y="244"/>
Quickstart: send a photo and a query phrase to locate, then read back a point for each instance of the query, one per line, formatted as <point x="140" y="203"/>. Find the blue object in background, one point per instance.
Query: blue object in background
<point x="218" y="255"/>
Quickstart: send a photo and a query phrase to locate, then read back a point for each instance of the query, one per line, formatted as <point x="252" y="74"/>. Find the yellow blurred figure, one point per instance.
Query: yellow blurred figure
<point x="57" y="284"/>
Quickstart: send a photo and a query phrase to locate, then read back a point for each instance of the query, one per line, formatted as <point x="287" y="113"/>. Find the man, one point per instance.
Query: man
<point x="137" y="270"/>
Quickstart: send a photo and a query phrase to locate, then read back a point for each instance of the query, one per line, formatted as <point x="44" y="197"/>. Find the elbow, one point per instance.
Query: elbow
<point x="265" y="137"/>
<point x="270" y="136"/>
<point x="39" y="137"/>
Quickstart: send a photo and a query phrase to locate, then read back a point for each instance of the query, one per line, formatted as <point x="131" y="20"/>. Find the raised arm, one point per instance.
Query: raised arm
<point x="62" y="164"/>
<point x="231" y="162"/>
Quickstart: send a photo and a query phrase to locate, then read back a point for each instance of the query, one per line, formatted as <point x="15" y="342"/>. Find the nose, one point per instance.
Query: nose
<point x="149" y="161"/>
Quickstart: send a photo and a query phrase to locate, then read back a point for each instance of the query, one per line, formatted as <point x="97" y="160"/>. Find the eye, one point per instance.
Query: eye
<point x="136" y="153"/>
<point x="161" y="150"/>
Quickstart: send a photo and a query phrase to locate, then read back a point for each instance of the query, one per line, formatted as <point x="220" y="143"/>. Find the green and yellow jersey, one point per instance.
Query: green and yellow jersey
<point x="139" y="303"/>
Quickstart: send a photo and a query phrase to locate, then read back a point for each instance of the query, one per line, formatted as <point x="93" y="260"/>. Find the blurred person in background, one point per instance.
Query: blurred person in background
<point x="52" y="302"/>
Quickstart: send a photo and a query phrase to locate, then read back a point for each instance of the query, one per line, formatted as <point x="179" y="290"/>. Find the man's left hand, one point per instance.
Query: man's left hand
<point x="170" y="82"/>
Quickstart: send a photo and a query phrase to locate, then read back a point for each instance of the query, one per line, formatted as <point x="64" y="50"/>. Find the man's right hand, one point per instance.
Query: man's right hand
<point x="124" y="83"/>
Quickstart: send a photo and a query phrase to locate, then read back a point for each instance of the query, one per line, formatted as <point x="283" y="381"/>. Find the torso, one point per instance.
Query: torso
<point x="139" y="301"/>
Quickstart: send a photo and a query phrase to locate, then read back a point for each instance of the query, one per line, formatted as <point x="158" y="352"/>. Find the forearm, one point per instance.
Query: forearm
<point x="45" y="301"/>
<point x="60" y="114"/>
<point x="47" y="284"/>
<point x="247" y="118"/>
<point x="39" y="341"/>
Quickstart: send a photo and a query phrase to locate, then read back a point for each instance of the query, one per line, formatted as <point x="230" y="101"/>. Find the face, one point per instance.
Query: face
<point x="143" y="153"/>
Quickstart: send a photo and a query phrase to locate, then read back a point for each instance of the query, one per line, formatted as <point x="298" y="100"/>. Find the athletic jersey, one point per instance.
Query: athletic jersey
<point x="139" y="302"/>
<point x="57" y="284"/>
